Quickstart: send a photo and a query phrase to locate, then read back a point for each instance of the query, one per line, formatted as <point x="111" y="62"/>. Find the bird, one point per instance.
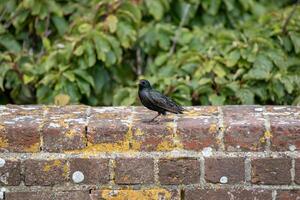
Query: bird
<point x="156" y="101"/>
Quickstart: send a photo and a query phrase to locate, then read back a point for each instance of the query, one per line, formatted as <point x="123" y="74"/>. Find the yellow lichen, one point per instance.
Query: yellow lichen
<point x="32" y="148"/>
<point x="66" y="170"/>
<point x="3" y="142"/>
<point x="55" y="163"/>
<point x="266" y="136"/>
<point x="128" y="144"/>
<point x="145" y="194"/>
<point x="165" y="146"/>
<point x="70" y="133"/>
<point x="138" y="132"/>
<point x="212" y="128"/>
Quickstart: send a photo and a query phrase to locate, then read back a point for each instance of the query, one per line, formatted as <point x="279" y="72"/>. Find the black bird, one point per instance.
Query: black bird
<point x="156" y="101"/>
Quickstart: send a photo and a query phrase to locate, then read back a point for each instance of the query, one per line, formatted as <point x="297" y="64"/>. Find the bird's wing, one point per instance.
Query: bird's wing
<point x="164" y="102"/>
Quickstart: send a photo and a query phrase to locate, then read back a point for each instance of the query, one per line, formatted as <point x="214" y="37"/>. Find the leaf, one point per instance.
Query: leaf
<point x="69" y="75"/>
<point x="246" y="96"/>
<point x="232" y="58"/>
<point x="60" y="24"/>
<point x="131" y="10"/>
<point x="9" y="42"/>
<point x="216" y="100"/>
<point x="295" y="37"/>
<point x="84" y="87"/>
<point x="84" y="28"/>
<point x="61" y="99"/>
<point x="261" y="69"/>
<point x="85" y="76"/>
<point x="112" y="21"/>
<point x="155" y="8"/>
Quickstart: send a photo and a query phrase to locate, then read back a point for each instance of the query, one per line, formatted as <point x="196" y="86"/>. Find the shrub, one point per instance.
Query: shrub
<point x="199" y="52"/>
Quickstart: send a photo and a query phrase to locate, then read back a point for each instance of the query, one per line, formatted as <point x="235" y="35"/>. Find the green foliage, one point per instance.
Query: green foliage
<point x="196" y="51"/>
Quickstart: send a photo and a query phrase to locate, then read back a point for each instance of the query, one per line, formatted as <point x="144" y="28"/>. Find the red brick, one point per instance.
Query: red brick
<point x="67" y="195"/>
<point x="107" y="125"/>
<point x="297" y="170"/>
<point x="154" y="136"/>
<point x="288" y="195"/>
<point x="64" y="128"/>
<point x="179" y="171"/>
<point x="243" y="128"/>
<point x="232" y="168"/>
<point x="134" y="171"/>
<point x="20" y="128"/>
<point x="136" y="194"/>
<point x="271" y="171"/>
<point x="198" y="128"/>
<point x="226" y="194"/>
<point x="29" y="196"/>
<point x="285" y="128"/>
<point x="45" y="172"/>
<point x="10" y="173"/>
<point x="95" y="171"/>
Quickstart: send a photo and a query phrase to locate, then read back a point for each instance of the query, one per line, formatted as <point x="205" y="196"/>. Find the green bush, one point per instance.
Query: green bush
<point x="199" y="52"/>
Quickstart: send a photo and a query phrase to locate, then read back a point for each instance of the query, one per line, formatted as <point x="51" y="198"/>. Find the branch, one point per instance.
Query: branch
<point x="177" y="34"/>
<point x="288" y="19"/>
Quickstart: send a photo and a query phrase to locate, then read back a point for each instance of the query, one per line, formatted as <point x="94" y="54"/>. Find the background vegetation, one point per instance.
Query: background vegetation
<point x="198" y="52"/>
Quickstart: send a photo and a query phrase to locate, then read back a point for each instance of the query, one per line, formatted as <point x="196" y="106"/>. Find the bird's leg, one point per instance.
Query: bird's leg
<point x="154" y="117"/>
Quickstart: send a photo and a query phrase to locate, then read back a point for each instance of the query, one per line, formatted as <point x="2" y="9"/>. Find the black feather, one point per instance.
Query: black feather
<point x="156" y="101"/>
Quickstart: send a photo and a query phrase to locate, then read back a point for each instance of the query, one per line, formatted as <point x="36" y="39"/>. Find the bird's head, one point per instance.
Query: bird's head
<point x="144" y="84"/>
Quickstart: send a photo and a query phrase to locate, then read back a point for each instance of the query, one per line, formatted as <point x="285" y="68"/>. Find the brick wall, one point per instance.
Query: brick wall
<point x="111" y="153"/>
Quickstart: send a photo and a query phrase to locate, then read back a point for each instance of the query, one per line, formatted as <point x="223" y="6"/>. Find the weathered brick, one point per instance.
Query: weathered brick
<point x="10" y="172"/>
<point x="64" y="130"/>
<point x="130" y="194"/>
<point x="74" y="195"/>
<point x="271" y="171"/>
<point x="231" y="168"/>
<point x="134" y="171"/>
<point x="45" y="172"/>
<point x="198" y="128"/>
<point x="95" y="171"/>
<point x="244" y="128"/>
<point x="29" y="196"/>
<point x="66" y="195"/>
<point x="285" y="128"/>
<point x="288" y="195"/>
<point x="108" y="129"/>
<point x="20" y="128"/>
<point x="297" y="170"/>
<point x="226" y="194"/>
<point x="179" y="171"/>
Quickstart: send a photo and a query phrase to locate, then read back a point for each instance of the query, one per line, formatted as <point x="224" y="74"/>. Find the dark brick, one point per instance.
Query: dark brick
<point x="20" y="128"/>
<point x="271" y="171"/>
<point x="297" y="170"/>
<point x="225" y="194"/>
<point x="136" y="194"/>
<point x="96" y="171"/>
<point x="67" y="195"/>
<point x="134" y="171"/>
<point x="179" y="171"/>
<point x="64" y="131"/>
<point x="198" y="128"/>
<point x="29" y="196"/>
<point x="285" y="127"/>
<point x="156" y="136"/>
<point x="232" y="168"/>
<point x="288" y="195"/>
<point x="43" y="172"/>
<point x="10" y="173"/>
<point x="243" y="128"/>
<point x="107" y="125"/>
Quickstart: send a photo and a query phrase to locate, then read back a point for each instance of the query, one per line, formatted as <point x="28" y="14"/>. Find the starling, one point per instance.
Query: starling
<point x="156" y="101"/>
